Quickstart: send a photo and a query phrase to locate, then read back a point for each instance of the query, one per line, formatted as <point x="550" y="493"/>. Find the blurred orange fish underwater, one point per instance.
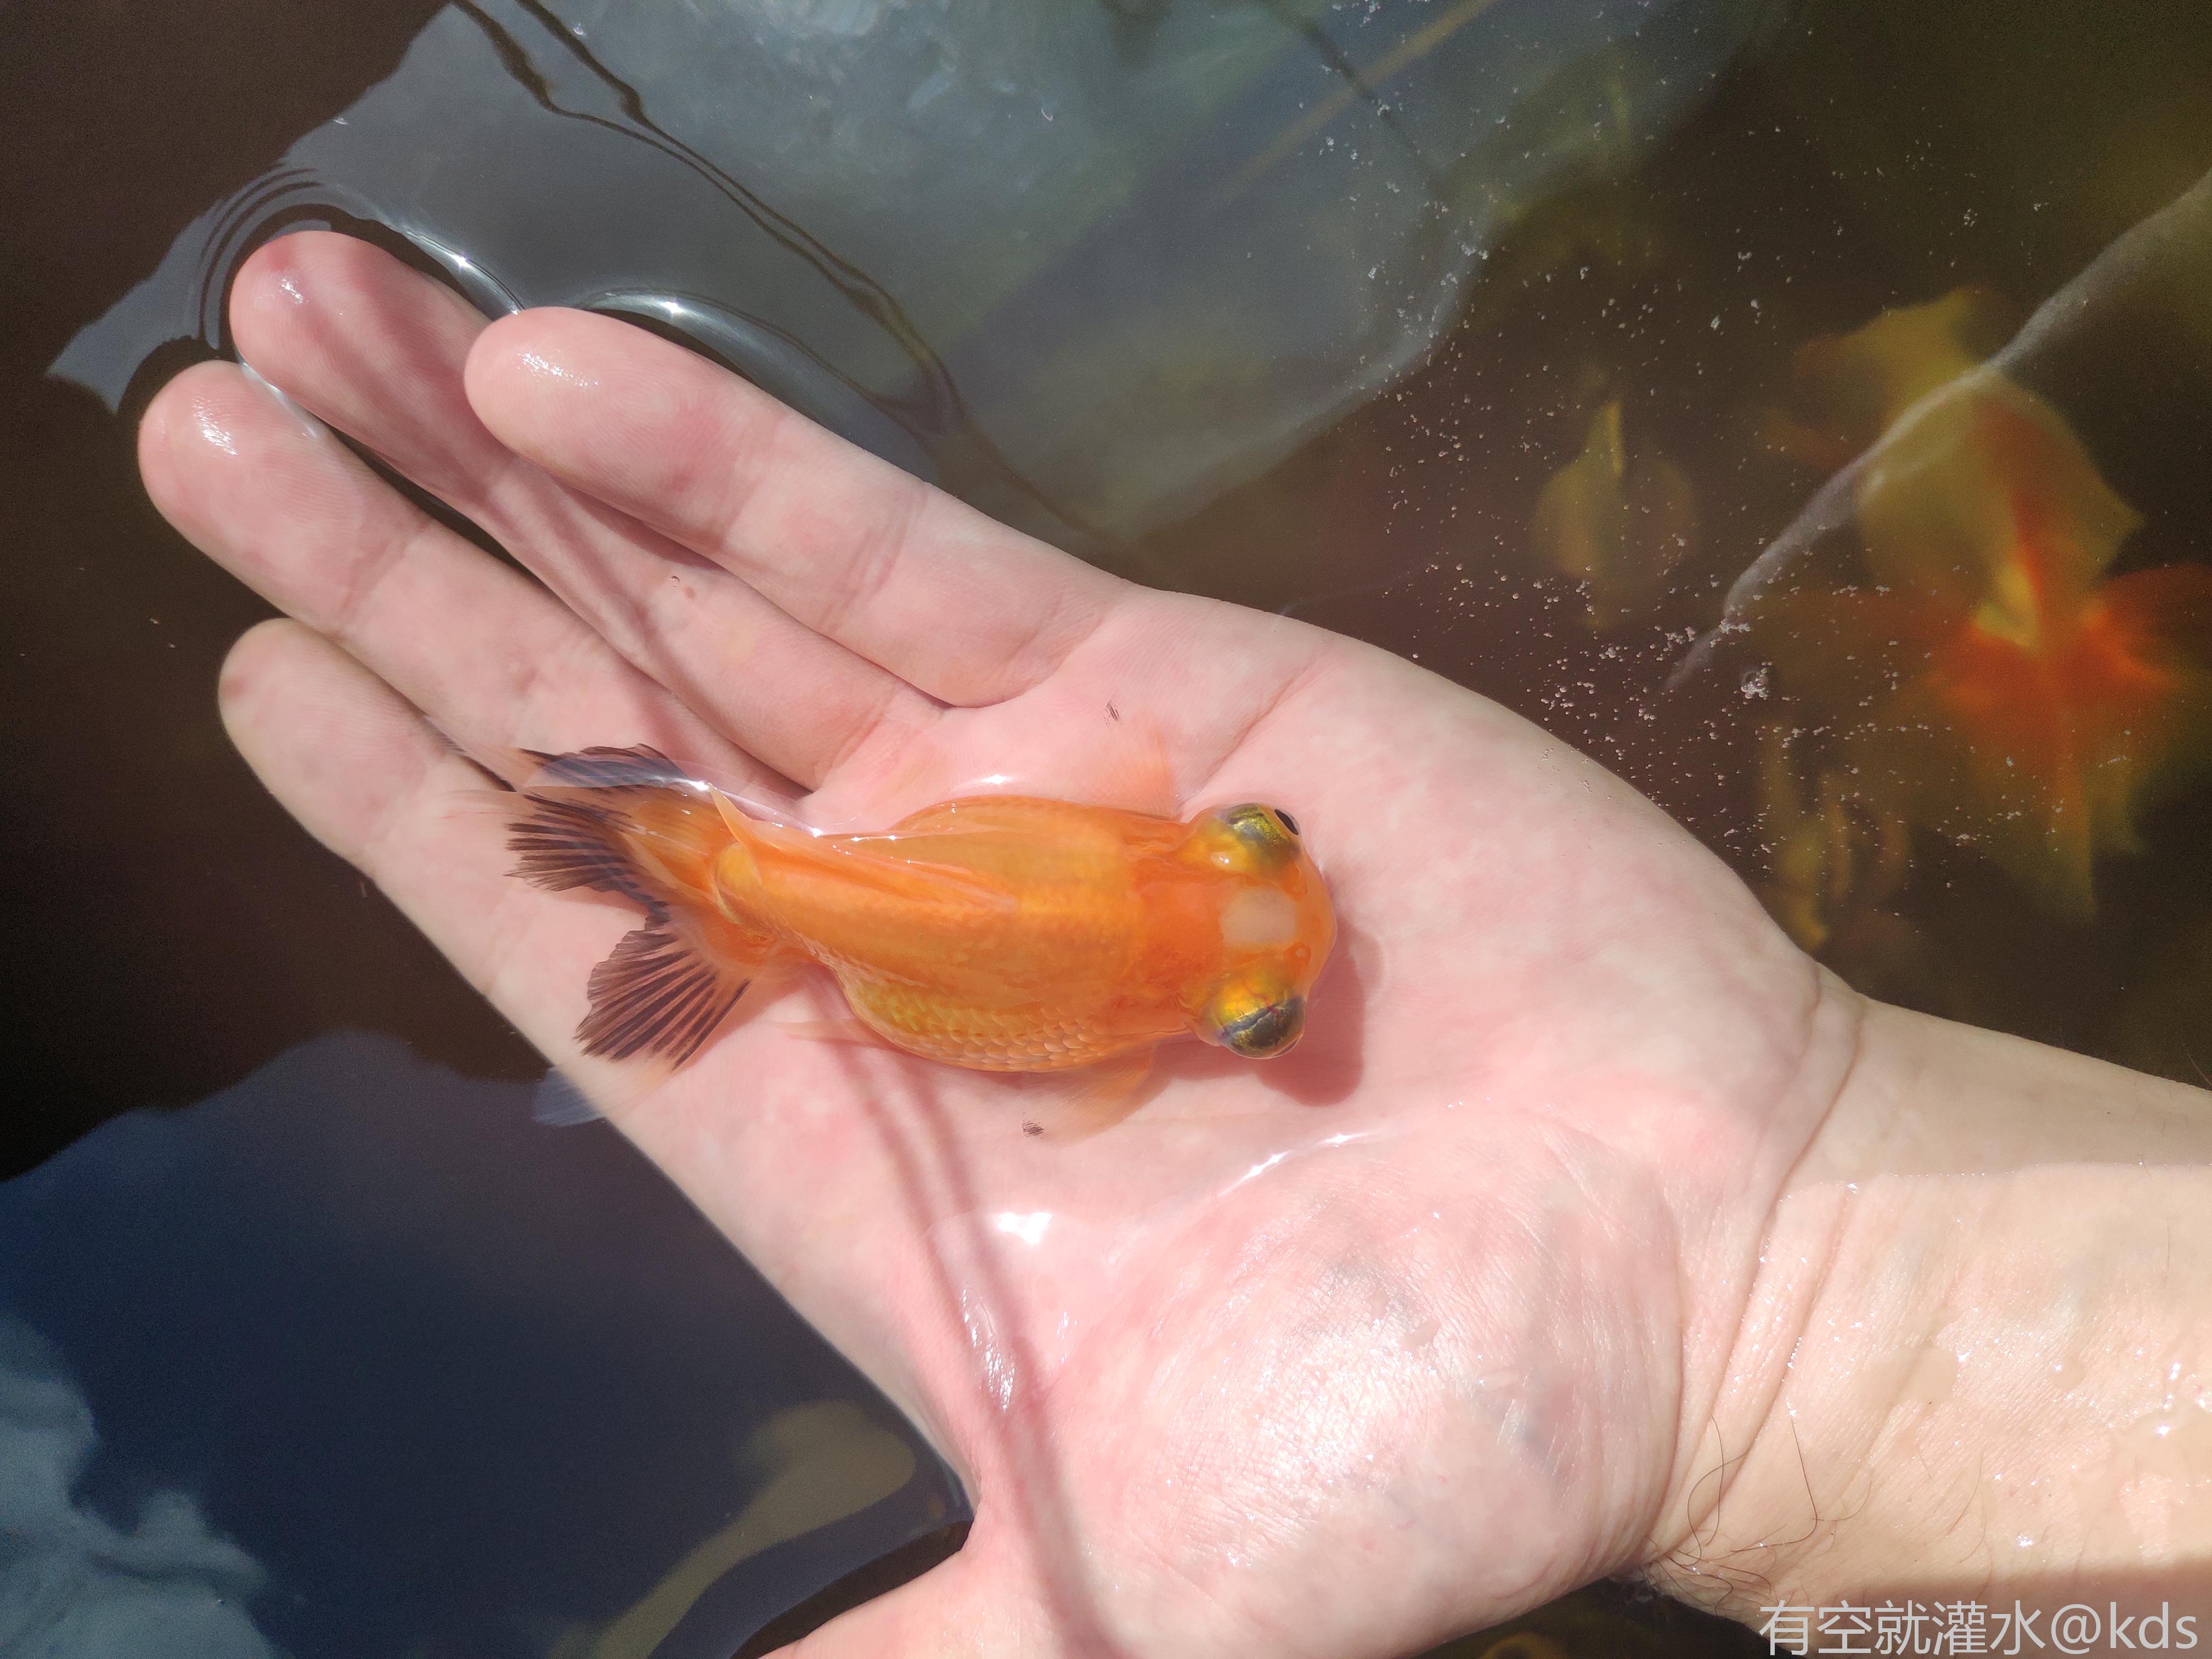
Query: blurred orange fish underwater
<point x="1618" y="520"/>
<point x="1002" y="932"/>
<point x="1852" y="388"/>
<point x="1993" y="681"/>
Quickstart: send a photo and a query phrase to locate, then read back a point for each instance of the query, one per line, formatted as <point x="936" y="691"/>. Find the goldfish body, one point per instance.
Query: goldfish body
<point x="1002" y="932"/>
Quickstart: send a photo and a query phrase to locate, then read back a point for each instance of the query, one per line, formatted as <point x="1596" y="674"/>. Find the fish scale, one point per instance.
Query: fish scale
<point x="943" y="1028"/>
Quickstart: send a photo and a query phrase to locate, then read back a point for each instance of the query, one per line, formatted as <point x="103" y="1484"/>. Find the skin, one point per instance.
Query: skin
<point x="1461" y="1303"/>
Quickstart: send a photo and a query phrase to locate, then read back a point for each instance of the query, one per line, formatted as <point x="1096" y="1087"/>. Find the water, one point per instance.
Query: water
<point x="886" y="291"/>
<point x="1555" y="240"/>
<point x="355" y="1357"/>
<point x="1810" y="196"/>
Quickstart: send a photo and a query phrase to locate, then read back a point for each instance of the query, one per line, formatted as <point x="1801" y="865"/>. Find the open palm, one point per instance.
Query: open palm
<point x="1336" y="1354"/>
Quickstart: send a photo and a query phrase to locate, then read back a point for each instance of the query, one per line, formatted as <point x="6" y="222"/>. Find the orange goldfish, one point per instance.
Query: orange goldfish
<point x="1617" y="521"/>
<point x="1002" y="932"/>
<point x="1993" y="682"/>
<point x="1858" y="384"/>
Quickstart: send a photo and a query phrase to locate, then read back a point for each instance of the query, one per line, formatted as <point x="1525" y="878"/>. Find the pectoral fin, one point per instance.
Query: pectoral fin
<point x="848" y="1030"/>
<point x="1073" y="1106"/>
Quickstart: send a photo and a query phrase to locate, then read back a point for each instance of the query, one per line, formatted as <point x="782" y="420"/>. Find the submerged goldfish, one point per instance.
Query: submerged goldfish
<point x="1002" y="932"/>
<point x="1616" y="520"/>
<point x="1993" y="681"/>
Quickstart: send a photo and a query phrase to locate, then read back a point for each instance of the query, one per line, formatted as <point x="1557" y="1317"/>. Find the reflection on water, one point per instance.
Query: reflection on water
<point x="1087" y="268"/>
<point x="817" y="1464"/>
<point x="72" y="1585"/>
<point x="357" y="1353"/>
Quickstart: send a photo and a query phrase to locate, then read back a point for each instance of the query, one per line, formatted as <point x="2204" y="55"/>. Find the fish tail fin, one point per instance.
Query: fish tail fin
<point x="632" y="822"/>
<point x="624" y="821"/>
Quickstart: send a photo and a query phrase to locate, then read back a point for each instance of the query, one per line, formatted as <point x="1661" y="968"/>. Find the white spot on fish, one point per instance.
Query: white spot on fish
<point x="1259" y="919"/>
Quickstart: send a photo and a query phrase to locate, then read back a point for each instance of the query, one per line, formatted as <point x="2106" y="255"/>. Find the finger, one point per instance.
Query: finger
<point x="969" y="611"/>
<point x="372" y="781"/>
<point x="812" y="1204"/>
<point x="950" y="1610"/>
<point x="488" y="655"/>
<point x="377" y="350"/>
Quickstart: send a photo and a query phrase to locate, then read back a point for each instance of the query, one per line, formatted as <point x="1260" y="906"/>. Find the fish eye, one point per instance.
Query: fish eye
<point x="1266" y="1031"/>
<point x="1261" y="832"/>
<point x="1254" y="1015"/>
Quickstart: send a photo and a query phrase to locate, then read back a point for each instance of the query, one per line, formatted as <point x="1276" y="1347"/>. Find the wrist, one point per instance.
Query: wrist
<point x="1976" y="1358"/>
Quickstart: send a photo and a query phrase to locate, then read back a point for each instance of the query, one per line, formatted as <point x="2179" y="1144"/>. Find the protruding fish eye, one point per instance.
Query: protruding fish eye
<point x="1266" y="1031"/>
<point x="1254" y="1015"/>
<point x="1261" y="832"/>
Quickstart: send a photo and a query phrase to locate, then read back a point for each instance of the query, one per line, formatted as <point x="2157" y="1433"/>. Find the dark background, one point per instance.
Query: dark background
<point x="170" y="929"/>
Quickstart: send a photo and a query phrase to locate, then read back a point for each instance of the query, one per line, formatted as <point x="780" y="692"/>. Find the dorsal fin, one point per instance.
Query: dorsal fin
<point x="882" y="864"/>
<point x="976" y="815"/>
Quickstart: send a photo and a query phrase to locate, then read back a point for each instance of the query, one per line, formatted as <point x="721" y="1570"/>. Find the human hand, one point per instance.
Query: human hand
<point x="1336" y="1354"/>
